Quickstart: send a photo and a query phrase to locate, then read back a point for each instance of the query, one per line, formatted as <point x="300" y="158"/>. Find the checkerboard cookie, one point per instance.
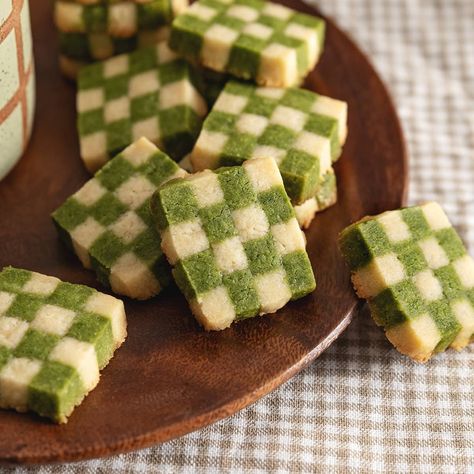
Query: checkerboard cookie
<point x="55" y="337"/>
<point x="301" y="130"/>
<point x="108" y="222"/>
<point x="234" y="243"/>
<point x="120" y="20"/>
<point x="88" y="47"/>
<point x="149" y="93"/>
<point x="417" y="276"/>
<point x="250" y="39"/>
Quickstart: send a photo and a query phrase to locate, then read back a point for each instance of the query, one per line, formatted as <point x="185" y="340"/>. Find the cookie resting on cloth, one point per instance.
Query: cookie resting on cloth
<point x="55" y="337"/>
<point x="418" y="278"/>
<point x="233" y="240"/>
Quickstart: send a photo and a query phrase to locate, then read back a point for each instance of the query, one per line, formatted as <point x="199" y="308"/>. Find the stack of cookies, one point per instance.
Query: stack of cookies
<point x="92" y="30"/>
<point x="218" y="98"/>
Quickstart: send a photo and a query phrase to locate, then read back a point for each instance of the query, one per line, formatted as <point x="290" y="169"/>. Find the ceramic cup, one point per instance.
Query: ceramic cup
<point x="17" y="82"/>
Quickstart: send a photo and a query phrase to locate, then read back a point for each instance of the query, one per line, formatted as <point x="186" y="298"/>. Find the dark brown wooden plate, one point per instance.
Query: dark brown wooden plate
<point x="171" y="377"/>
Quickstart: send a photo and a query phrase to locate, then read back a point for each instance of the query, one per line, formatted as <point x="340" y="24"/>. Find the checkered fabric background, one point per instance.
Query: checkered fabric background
<point x="362" y="407"/>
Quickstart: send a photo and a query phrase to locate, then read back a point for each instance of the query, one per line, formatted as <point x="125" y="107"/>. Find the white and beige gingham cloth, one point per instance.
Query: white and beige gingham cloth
<point x="362" y="407"/>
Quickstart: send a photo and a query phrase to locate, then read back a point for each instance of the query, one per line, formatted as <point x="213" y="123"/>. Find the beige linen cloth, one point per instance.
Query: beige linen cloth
<point x="362" y="407"/>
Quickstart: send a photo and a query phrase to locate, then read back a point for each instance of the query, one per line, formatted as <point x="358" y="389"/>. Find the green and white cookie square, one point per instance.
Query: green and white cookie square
<point x="148" y="93"/>
<point x="415" y="271"/>
<point x="250" y="39"/>
<point x="234" y="242"/>
<point x="109" y="226"/>
<point x="301" y="130"/>
<point x="55" y="337"/>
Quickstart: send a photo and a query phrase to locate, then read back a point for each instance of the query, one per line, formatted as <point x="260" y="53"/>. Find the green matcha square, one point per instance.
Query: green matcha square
<point x="446" y="321"/>
<point x="144" y="107"/>
<point x="118" y="172"/>
<point x="449" y="281"/>
<point x="362" y="242"/>
<point x="91" y="121"/>
<point x="276" y="205"/>
<point x="115" y="87"/>
<point x="91" y="76"/>
<point x="277" y="136"/>
<point x="199" y="273"/>
<point x="96" y="330"/>
<point x="451" y="243"/>
<point x="118" y="135"/>
<point x="262" y="255"/>
<point x="25" y="306"/>
<point x="237" y="189"/>
<point x="217" y="222"/>
<point x="237" y="148"/>
<point x="221" y="122"/>
<point x="242" y="293"/>
<point x="71" y="214"/>
<point x="36" y="345"/>
<point x="55" y="391"/>
<point x="107" y="210"/>
<point x="245" y="57"/>
<point x="397" y="304"/>
<point x="300" y="99"/>
<point x="299" y="274"/>
<point x="300" y="172"/>
<point x="262" y="106"/>
<point x="176" y="204"/>
<point x="70" y="296"/>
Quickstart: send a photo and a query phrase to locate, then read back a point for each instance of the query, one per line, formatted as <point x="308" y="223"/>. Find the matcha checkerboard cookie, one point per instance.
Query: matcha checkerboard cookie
<point x="108" y="222"/>
<point x="234" y="242"/>
<point x="149" y="93"/>
<point x="122" y="19"/>
<point x="301" y="130"/>
<point x="89" y="47"/>
<point x="413" y="268"/>
<point x="251" y="39"/>
<point x="54" y="339"/>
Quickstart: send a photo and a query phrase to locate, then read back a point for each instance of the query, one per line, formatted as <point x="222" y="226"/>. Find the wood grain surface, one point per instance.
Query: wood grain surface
<point x="170" y="377"/>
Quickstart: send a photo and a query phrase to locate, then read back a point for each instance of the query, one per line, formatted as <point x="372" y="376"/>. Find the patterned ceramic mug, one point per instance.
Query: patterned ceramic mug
<point x="17" y="82"/>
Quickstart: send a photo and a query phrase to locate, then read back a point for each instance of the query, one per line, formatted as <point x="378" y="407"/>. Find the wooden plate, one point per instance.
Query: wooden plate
<point x="170" y="377"/>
